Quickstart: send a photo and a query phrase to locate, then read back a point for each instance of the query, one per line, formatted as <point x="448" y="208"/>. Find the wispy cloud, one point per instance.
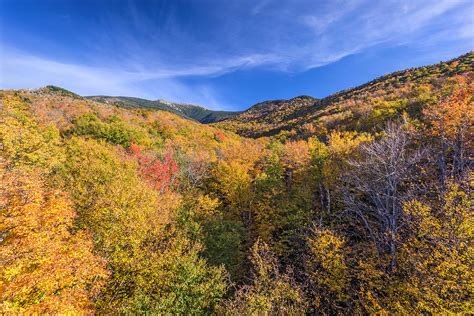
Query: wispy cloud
<point x="259" y="6"/>
<point x="319" y="22"/>
<point x="359" y="25"/>
<point x="153" y="53"/>
<point x="21" y="70"/>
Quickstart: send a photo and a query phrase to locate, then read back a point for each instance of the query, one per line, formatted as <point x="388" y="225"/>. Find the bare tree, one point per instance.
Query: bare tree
<point x="380" y="183"/>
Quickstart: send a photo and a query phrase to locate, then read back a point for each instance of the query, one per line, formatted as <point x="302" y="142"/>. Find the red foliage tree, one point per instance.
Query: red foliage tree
<point x="160" y="173"/>
<point x="219" y="136"/>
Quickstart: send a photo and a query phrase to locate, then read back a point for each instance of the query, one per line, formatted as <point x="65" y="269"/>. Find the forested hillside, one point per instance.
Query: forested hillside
<point x="191" y="111"/>
<point x="360" y="203"/>
<point x="361" y="108"/>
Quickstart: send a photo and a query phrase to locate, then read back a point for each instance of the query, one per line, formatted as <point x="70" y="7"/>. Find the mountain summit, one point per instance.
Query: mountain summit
<point x="191" y="111"/>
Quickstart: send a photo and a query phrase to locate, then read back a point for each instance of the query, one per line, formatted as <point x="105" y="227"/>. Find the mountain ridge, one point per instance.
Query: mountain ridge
<point x="191" y="111"/>
<point x="306" y="115"/>
<point x="271" y="117"/>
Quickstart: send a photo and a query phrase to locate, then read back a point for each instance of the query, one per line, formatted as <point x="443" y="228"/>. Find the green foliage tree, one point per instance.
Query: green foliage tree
<point x="114" y="131"/>
<point x="271" y="292"/>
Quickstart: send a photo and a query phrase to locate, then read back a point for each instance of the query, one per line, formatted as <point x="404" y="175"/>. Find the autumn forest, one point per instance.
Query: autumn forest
<point x="358" y="203"/>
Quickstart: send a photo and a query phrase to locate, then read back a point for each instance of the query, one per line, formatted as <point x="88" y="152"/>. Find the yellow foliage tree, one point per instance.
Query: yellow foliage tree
<point x="437" y="258"/>
<point x="45" y="267"/>
<point x="327" y="269"/>
<point x="23" y="140"/>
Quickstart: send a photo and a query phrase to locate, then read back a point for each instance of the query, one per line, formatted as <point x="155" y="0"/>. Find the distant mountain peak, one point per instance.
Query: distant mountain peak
<point x="55" y="90"/>
<point x="190" y="111"/>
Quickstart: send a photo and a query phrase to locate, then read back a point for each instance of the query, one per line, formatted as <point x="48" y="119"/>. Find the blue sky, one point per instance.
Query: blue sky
<point x="224" y="54"/>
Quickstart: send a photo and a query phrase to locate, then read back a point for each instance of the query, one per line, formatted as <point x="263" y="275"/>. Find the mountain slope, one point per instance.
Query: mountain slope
<point x="191" y="111"/>
<point x="360" y="108"/>
<point x="115" y="210"/>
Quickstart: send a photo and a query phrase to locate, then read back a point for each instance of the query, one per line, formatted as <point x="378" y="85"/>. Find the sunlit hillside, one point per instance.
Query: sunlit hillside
<point x="190" y="111"/>
<point x="359" y="203"/>
<point x="361" y="108"/>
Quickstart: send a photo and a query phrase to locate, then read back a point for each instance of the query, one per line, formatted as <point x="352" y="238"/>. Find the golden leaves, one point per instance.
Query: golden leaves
<point x="45" y="267"/>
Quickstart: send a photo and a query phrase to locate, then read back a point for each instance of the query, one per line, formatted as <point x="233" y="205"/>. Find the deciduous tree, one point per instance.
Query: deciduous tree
<point x="46" y="265"/>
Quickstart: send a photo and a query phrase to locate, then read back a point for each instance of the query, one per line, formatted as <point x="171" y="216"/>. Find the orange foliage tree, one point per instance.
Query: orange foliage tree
<point x="452" y="123"/>
<point x="45" y="268"/>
